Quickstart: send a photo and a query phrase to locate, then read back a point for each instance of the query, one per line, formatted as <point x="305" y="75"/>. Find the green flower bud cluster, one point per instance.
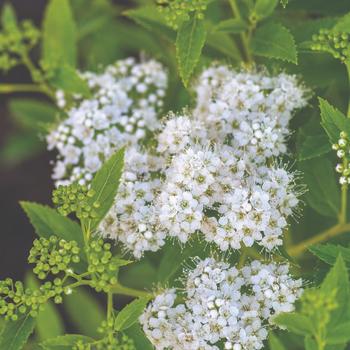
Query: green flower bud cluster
<point x="102" y="267"/>
<point x="53" y="256"/>
<point x="75" y="199"/>
<point x="335" y="43"/>
<point x="343" y="151"/>
<point x="111" y="342"/>
<point x="178" y="11"/>
<point x="15" y="300"/>
<point x="15" y="42"/>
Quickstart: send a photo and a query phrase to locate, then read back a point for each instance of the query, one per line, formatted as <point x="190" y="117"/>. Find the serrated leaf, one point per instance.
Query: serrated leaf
<point x="329" y="252"/>
<point x="15" y="334"/>
<point x="265" y="8"/>
<point x="130" y="314"/>
<point x="233" y="25"/>
<point x="84" y="311"/>
<point x="343" y="24"/>
<point x="8" y="18"/>
<point x="323" y="193"/>
<point x="105" y="184"/>
<point x="32" y="114"/>
<point x="313" y="147"/>
<point x="48" y="322"/>
<point x="310" y="344"/>
<point x="64" y="342"/>
<point x="273" y="40"/>
<point x="340" y="334"/>
<point x="295" y="322"/>
<point x="67" y="79"/>
<point x="333" y="121"/>
<point x="275" y="343"/>
<point x="59" y="34"/>
<point x="337" y="280"/>
<point x="189" y="44"/>
<point x="48" y="222"/>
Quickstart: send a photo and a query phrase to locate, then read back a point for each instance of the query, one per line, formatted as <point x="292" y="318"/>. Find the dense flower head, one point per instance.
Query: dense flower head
<point x="210" y="171"/>
<point x="249" y="109"/>
<point x="211" y="190"/>
<point x="192" y="188"/>
<point x="126" y="99"/>
<point x="222" y="307"/>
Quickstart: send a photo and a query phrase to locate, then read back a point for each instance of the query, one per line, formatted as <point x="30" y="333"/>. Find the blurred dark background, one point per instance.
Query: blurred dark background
<point x="24" y="178"/>
<point x="28" y="179"/>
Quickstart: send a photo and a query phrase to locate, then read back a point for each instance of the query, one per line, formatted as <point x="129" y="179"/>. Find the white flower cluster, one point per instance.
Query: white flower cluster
<point x="126" y="99"/>
<point x="211" y="170"/>
<point x="251" y="109"/>
<point x="212" y="182"/>
<point x="133" y="219"/>
<point x="213" y="191"/>
<point x="222" y="307"/>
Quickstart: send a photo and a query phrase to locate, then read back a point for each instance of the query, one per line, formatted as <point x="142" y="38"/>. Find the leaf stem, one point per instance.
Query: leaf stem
<point x="109" y="305"/>
<point x="332" y="232"/>
<point x="11" y="88"/>
<point x="243" y="36"/>
<point x="347" y="65"/>
<point x="122" y="290"/>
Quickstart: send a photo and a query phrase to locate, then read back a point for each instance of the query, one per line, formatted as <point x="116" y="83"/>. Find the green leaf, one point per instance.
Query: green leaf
<point x="310" y="344"/>
<point x="339" y="334"/>
<point x="329" y="252"/>
<point x="121" y="262"/>
<point x="265" y="8"/>
<point x="174" y="257"/>
<point x="15" y="334"/>
<point x="150" y="18"/>
<point x="323" y="193"/>
<point x="105" y="184"/>
<point x="333" y="121"/>
<point x="189" y="44"/>
<point x="141" y="274"/>
<point x="67" y="79"/>
<point x="273" y="40"/>
<point x="138" y="336"/>
<point x="313" y="147"/>
<point x="222" y="44"/>
<point x="20" y="146"/>
<point x="338" y="279"/>
<point x="8" y="18"/>
<point x="48" y="322"/>
<point x="48" y="222"/>
<point x="343" y="25"/>
<point x="59" y="34"/>
<point x="84" y="311"/>
<point x="233" y="25"/>
<point x="295" y="322"/>
<point x="275" y="343"/>
<point x="64" y="342"/>
<point x="32" y="114"/>
<point x="130" y="314"/>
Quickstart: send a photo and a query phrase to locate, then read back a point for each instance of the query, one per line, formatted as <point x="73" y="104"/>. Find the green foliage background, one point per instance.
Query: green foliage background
<point x="89" y="34"/>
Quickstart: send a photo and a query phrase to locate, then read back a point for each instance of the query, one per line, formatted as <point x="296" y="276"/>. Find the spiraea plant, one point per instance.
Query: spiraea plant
<point x="188" y="180"/>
